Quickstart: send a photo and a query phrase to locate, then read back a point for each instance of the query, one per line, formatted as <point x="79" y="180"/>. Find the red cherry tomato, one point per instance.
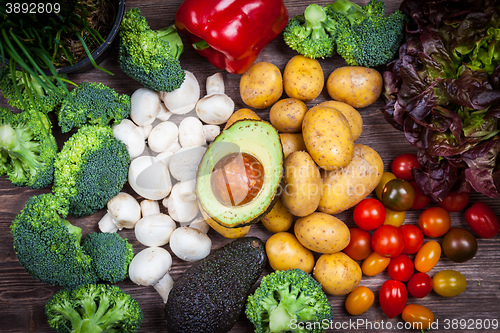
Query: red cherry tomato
<point x="434" y="222"/>
<point x="413" y="238"/>
<point x="402" y="165"/>
<point x="419" y="285"/>
<point x="392" y="297"/>
<point x="421" y="201"/>
<point x="360" y="245"/>
<point x="401" y="268"/>
<point x="388" y="241"/>
<point x="369" y="214"/>
<point x="455" y="201"/>
<point x="482" y="220"/>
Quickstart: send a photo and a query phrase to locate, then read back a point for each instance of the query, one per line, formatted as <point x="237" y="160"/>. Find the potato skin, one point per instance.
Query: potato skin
<point x="241" y="114"/>
<point x="355" y="85"/>
<point x="286" y="115"/>
<point x="302" y="190"/>
<point x="284" y="252"/>
<point x="292" y="142"/>
<point x="351" y="114"/>
<point x="322" y="233"/>
<point x="337" y="273"/>
<point x="303" y="78"/>
<point x="346" y="187"/>
<point x="328" y="138"/>
<point x="278" y="219"/>
<point x="261" y="85"/>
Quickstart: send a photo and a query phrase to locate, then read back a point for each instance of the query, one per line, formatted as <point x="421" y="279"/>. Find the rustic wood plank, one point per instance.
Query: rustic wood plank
<point x="22" y="298"/>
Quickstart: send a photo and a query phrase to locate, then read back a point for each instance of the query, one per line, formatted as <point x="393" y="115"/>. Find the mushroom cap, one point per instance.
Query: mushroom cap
<point x="149" y="266"/>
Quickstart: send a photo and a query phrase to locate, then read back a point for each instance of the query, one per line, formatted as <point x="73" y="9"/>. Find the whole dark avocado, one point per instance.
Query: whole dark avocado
<point x="211" y="295"/>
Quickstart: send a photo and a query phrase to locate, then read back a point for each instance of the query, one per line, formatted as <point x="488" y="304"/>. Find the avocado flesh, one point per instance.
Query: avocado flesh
<point x="257" y="138"/>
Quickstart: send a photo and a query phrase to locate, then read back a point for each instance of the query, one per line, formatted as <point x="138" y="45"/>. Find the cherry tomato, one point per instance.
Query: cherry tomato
<point x="482" y="220"/>
<point x="398" y="195"/>
<point x="449" y="283"/>
<point x="392" y="297"/>
<point x="428" y="256"/>
<point x="455" y="201"/>
<point x="386" y="176"/>
<point x="388" y="241"/>
<point x="421" y="201"/>
<point x="434" y="222"/>
<point x="369" y="214"/>
<point x="401" y="268"/>
<point x="394" y="218"/>
<point x="413" y="238"/>
<point x="402" y="165"/>
<point x="419" y="285"/>
<point x="359" y="300"/>
<point x="459" y="245"/>
<point x="374" y="264"/>
<point x="360" y="245"/>
<point x="415" y="313"/>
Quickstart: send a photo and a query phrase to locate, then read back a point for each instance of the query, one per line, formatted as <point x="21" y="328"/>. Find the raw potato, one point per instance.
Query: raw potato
<point x="286" y="115"/>
<point x="303" y="78"/>
<point x="302" y="190"/>
<point x="328" y="137"/>
<point x="355" y="85"/>
<point x="241" y="114"/>
<point x="278" y="219"/>
<point x="346" y="187"/>
<point x="351" y="114"/>
<point x="284" y="252"/>
<point x="261" y="85"/>
<point x="292" y="142"/>
<point x="337" y="273"/>
<point x="322" y="233"/>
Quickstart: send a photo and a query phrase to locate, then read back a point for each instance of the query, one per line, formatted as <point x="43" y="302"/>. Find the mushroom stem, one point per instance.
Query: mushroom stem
<point x="164" y="286"/>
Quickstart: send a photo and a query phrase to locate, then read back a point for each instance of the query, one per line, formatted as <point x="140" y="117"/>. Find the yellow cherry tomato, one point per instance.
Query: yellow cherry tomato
<point x="359" y="300"/>
<point x="449" y="283"/>
<point x="428" y="256"/>
<point x="394" y="218"/>
<point x="386" y="176"/>
<point x="374" y="264"/>
<point x="420" y="316"/>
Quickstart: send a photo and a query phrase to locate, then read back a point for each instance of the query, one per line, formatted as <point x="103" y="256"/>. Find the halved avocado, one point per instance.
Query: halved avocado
<point x="258" y="139"/>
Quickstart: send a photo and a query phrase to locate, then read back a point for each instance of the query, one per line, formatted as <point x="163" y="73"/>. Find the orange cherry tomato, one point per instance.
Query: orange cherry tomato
<point x="420" y="316"/>
<point x="428" y="256"/>
<point x="434" y="222"/>
<point x="374" y="264"/>
<point x="359" y="300"/>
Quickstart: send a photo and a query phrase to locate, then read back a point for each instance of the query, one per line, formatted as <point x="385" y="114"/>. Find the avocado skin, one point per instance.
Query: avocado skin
<point x="211" y="295"/>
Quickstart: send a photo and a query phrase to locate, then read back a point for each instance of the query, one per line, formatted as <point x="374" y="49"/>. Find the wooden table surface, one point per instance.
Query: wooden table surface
<point x="22" y="298"/>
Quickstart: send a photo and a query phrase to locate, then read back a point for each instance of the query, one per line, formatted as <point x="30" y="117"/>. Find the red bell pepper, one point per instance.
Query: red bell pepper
<point x="231" y="33"/>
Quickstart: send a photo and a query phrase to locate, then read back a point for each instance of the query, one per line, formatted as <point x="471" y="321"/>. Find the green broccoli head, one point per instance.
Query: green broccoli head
<point x="286" y="298"/>
<point x="90" y="169"/>
<point x="27" y="148"/>
<point x="92" y="103"/>
<point x="93" y="308"/>
<point x="150" y="57"/>
<point x="48" y="246"/>
<point x="312" y="34"/>
<point x="111" y="255"/>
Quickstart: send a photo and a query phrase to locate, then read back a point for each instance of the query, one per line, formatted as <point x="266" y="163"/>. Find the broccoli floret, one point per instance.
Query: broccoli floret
<point x="285" y="298"/>
<point x="90" y="169"/>
<point x="93" y="308"/>
<point x="111" y="255"/>
<point x="148" y="56"/>
<point x="27" y="148"/>
<point x="312" y="34"/>
<point x="48" y="246"/>
<point x="92" y="103"/>
<point x="365" y="37"/>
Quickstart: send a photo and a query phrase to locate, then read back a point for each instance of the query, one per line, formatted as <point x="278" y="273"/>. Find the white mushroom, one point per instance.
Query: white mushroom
<point x="191" y="132"/>
<point x="149" y="207"/>
<point x="106" y="224"/>
<point x="149" y="178"/>
<point x="211" y="132"/>
<point x="154" y="230"/>
<point x="200" y="224"/>
<point x="184" y="163"/>
<point x="190" y="244"/>
<point x="164" y="114"/>
<point x="183" y="99"/>
<point x="216" y="107"/>
<point x="149" y="267"/>
<point x="124" y="210"/>
<point x="187" y="190"/>
<point x="144" y="106"/>
<point x="131" y="135"/>
<point x="162" y="136"/>
<point x="180" y="210"/>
